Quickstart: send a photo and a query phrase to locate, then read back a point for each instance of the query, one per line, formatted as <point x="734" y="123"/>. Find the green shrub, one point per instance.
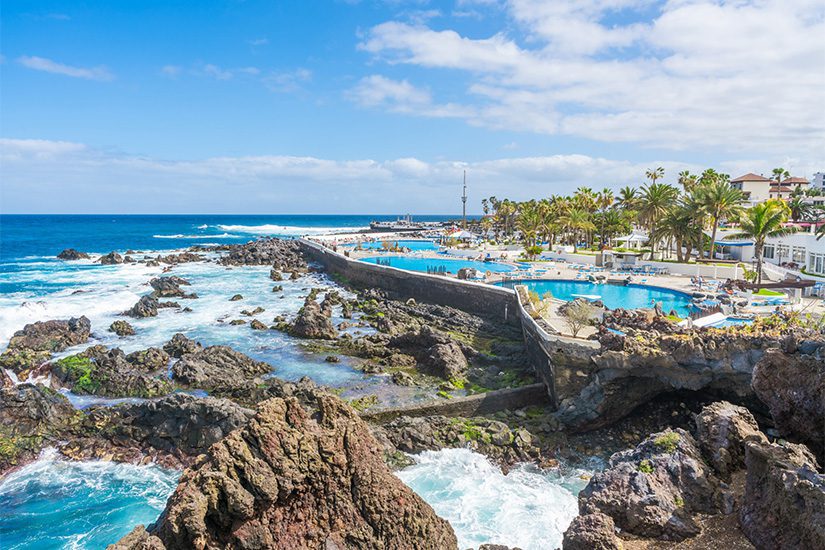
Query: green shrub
<point x="667" y="442"/>
<point x="646" y="467"/>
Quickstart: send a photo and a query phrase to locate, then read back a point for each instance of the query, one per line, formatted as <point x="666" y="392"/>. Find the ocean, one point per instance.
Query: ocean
<point x="55" y="504"/>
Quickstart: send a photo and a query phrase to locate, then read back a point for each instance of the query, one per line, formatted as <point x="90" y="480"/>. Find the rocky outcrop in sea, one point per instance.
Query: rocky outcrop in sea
<point x="35" y="343"/>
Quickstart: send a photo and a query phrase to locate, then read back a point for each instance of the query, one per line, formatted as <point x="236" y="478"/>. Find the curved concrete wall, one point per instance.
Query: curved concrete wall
<point x="478" y="298"/>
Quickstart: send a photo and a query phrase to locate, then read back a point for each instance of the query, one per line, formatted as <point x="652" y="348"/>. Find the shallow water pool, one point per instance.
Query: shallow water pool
<point x="415" y="263"/>
<point x="416" y="245"/>
<point x="613" y="296"/>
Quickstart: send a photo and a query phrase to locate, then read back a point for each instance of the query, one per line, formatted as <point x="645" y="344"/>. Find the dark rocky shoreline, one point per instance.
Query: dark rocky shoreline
<point x="697" y="461"/>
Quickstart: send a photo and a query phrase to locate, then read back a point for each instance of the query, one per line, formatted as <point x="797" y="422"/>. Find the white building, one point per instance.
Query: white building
<point x="755" y="188"/>
<point x="797" y="251"/>
<point x="819" y="181"/>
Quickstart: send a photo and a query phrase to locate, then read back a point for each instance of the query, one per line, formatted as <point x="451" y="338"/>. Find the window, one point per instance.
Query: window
<point x="816" y="263"/>
<point x="768" y="252"/>
<point x="798" y="254"/>
<point x="782" y="252"/>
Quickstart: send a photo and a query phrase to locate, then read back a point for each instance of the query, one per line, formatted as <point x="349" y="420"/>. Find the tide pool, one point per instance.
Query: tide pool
<point x="613" y="296"/>
<point x="526" y="508"/>
<point x="53" y="503"/>
<point x="415" y="263"/>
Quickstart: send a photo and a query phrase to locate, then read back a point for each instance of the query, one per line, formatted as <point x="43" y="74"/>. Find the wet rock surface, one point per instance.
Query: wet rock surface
<point x="72" y="254"/>
<point x="591" y="532"/>
<point x="314" y="320"/>
<point x="217" y="367"/>
<point x="112" y="258"/>
<point x="290" y="479"/>
<point x="180" y="345"/>
<point x="284" y="255"/>
<point x="122" y="328"/>
<point x="110" y="373"/>
<point x="34" y="344"/>
<point x="170" y="287"/>
<point x="147" y="306"/>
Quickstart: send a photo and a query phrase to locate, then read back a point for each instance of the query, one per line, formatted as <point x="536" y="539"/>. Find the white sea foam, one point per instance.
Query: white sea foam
<point x="289" y="230"/>
<point x="527" y="508"/>
<point x="204" y="226"/>
<point x="182" y="236"/>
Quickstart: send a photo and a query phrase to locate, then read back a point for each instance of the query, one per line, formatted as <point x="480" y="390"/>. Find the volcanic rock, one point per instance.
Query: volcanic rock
<point x="180" y="345"/>
<point x="313" y="321"/>
<point x="169" y="287"/>
<point x="284" y="254"/>
<point x="122" y="328"/>
<point x="784" y="502"/>
<point x="111" y="258"/>
<point x="722" y="430"/>
<point x="149" y="360"/>
<point x="147" y="306"/>
<point x="653" y="490"/>
<point x="218" y="367"/>
<point x="290" y="479"/>
<point x="34" y="344"/>
<point x="72" y="254"/>
<point x="591" y="532"/>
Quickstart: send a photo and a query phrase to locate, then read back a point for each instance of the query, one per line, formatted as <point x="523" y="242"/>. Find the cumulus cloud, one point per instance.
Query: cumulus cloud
<point x="50" y="66"/>
<point x="740" y="76"/>
<point x="71" y="177"/>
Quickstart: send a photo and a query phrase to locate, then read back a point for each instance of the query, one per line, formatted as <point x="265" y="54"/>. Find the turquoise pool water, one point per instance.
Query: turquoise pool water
<point x="613" y="296"/>
<point x="412" y="263"/>
<point x="731" y="322"/>
<point x="416" y="245"/>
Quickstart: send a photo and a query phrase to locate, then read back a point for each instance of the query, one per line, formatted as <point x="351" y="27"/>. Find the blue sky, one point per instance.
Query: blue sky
<point x="377" y="106"/>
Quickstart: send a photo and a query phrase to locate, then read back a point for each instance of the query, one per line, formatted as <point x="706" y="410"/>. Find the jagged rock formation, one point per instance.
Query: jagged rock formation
<point x="122" y="328"/>
<point x="784" y="502"/>
<point x="170" y="287"/>
<point x="112" y="258"/>
<point x="653" y="490"/>
<point x="292" y="479"/>
<point x="180" y="258"/>
<point x="31" y="417"/>
<point x="72" y="254"/>
<point x="591" y="532"/>
<point x="283" y="255"/>
<point x="32" y="346"/>
<point x="180" y="345"/>
<point x="792" y="385"/>
<point x="490" y="437"/>
<point x="147" y="306"/>
<point x="314" y="320"/>
<point x="110" y="373"/>
<point x="438" y="353"/>
<point x="722" y="430"/>
<point x="171" y="431"/>
<point x="217" y="367"/>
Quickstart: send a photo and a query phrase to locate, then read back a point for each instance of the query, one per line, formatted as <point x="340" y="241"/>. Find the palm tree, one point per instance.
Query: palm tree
<point x="655" y="174"/>
<point x="800" y="208"/>
<point x="719" y="201"/>
<point x="780" y="174"/>
<point x="655" y="201"/>
<point x="683" y="225"/>
<point x="628" y="198"/>
<point x="574" y="221"/>
<point x="688" y="181"/>
<point x="761" y="222"/>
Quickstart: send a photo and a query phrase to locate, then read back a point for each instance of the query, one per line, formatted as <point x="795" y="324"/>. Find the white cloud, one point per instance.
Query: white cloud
<point x="49" y="66"/>
<point x="733" y="75"/>
<point x="400" y="96"/>
<point x="216" y="72"/>
<point x="171" y="70"/>
<point x="71" y="177"/>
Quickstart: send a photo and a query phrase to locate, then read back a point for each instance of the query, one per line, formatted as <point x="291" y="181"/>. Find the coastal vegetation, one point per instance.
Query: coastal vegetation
<point x="686" y="219"/>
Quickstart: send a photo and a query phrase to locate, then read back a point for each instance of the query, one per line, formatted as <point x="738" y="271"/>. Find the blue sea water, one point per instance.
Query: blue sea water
<point x="613" y="296"/>
<point x="57" y="504"/>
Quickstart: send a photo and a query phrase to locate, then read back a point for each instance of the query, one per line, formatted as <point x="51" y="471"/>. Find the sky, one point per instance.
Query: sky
<point x="371" y="106"/>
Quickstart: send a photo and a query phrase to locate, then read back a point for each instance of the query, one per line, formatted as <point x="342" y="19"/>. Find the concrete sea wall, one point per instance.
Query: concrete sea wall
<point x="477" y="298"/>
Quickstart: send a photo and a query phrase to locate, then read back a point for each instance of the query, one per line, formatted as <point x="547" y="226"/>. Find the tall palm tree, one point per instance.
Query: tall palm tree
<point x="682" y="224"/>
<point x="719" y="201"/>
<point x="761" y="222"/>
<point x="688" y="181"/>
<point x="574" y="221"/>
<point x="655" y="174"/>
<point x="800" y="208"/>
<point x="655" y="201"/>
<point x="628" y="198"/>
<point x="780" y="174"/>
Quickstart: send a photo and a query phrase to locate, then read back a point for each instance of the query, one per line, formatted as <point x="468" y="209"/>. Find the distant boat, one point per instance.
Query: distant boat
<point x="404" y="223"/>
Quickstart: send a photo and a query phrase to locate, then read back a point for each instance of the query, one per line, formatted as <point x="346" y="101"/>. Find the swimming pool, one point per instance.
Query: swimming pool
<point x="413" y="263"/>
<point x="613" y="296"/>
<point x="416" y="245"/>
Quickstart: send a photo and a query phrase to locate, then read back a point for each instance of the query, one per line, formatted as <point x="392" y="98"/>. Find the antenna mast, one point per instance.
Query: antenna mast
<point x="464" y="203"/>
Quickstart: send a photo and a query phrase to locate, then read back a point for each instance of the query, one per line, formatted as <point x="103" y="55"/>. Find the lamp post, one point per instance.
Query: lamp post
<point x="464" y="203"/>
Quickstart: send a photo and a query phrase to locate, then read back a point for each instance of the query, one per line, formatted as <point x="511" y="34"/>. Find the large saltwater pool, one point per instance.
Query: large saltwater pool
<point x="413" y="263"/>
<point x="416" y="245"/>
<point x="613" y="296"/>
